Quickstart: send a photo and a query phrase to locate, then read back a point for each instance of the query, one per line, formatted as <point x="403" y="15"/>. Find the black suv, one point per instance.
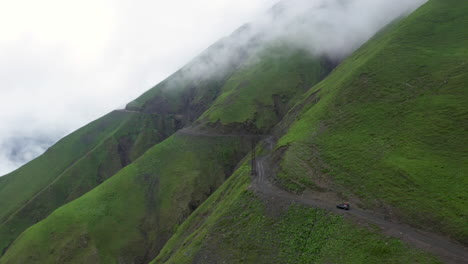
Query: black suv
<point x="344" y="206"/>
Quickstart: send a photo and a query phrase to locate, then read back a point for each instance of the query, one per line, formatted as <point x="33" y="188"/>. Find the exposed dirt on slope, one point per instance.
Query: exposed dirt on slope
<point x="447" y="250"/>
<point x="124" y="149"/>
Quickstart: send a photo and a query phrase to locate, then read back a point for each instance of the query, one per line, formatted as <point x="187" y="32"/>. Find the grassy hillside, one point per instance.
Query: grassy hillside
<point x="18" y="188"/>
<point x="389" y="127"/>
<point x="130" y="216"/>
<point x="127" y="136"/>
<point x="21" y="184"/>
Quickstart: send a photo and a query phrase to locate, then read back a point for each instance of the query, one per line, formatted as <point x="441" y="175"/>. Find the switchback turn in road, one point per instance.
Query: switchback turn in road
<point x="448" y="251"/>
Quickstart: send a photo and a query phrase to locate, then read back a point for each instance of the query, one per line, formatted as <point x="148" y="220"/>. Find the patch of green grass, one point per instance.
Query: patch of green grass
<point x="313" y="236"/>
<point x="391" y="121"/>
<point x="265" y="87"/>
<point x="186" y="242"/>
<point x="130" y="216"/>
<point x="304" y="160"/>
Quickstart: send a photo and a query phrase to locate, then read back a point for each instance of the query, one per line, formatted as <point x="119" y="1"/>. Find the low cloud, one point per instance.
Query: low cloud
<point x="325" y="28"/>
<point x="334" y="28"/>
<point x="63" y="64"/>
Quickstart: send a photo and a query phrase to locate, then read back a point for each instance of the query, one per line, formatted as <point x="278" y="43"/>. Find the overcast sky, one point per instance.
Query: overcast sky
<point x="64" y="63"/>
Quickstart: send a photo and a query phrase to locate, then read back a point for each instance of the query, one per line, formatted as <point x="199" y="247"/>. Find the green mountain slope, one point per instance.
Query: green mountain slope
<point x="84" y="159"/>
<point x="390" y="128"/>
<point x="72" y="167"/>
<point x="132" y="214"/>
<point x="18" y="186"/>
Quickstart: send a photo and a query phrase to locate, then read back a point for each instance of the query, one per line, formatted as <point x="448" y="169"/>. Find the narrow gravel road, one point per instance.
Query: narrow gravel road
<point x="195" y="132"/>
<point x="129" y="111"/>
<point x="448" y="251"/>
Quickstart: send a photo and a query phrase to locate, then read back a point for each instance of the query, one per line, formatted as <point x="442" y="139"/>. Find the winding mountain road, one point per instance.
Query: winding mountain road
<point x="448" y="251"/>
<point x="195" y="132"/>
<point x="129" y="111"/>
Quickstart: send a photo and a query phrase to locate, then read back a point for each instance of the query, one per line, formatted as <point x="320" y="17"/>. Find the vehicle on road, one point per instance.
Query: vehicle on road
<point x="343" y="206"/>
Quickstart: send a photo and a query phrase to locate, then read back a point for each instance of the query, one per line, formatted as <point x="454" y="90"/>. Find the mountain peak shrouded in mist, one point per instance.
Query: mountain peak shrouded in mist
<point x="324" y="28"/>
<point x="333" y="28"/>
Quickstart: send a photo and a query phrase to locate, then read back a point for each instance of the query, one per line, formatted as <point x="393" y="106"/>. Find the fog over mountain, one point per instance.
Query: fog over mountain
<point x="65" y="64"/>
<point x="331" y="28"/>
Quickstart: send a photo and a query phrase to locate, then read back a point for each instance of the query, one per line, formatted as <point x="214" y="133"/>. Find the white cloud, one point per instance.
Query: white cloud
<point x="64" y="63"/>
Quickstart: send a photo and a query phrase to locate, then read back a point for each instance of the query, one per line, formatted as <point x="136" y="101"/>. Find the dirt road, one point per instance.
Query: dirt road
<point x="448" y="251"/>
<point x="200" y="133"/>
<point x="129" y="111"/>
